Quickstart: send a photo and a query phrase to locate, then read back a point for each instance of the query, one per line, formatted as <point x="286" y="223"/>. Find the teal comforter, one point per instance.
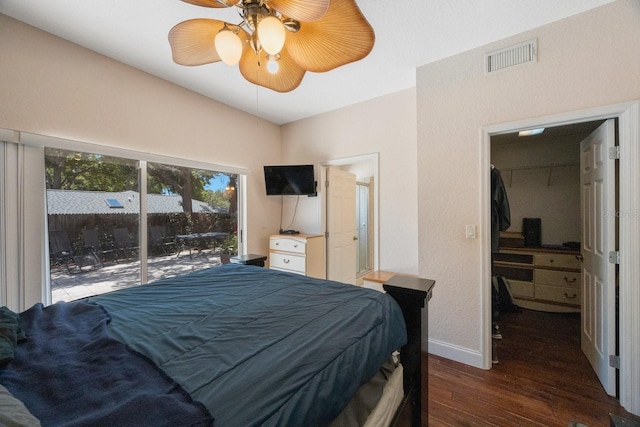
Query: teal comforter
<point x="259" y="346"/>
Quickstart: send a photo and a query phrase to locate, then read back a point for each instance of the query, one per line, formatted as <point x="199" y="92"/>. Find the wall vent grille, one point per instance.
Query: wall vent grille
<point x="510" y="57"/>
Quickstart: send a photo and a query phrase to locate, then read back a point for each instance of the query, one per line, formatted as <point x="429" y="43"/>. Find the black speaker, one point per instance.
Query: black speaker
<point x="532" y="232"/>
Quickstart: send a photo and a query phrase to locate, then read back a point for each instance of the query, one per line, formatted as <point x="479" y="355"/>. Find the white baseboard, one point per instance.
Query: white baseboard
<point x="455" y="353"/>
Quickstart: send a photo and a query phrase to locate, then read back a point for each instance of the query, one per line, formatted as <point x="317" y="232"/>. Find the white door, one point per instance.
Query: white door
<point x="597" y="182"/>
<point x="341" y="211"/>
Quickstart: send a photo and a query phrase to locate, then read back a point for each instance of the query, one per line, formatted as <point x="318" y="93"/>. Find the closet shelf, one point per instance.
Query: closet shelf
<point x="550" y="167"/>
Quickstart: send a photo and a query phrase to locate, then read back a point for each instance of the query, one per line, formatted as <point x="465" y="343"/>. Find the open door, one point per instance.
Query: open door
<point x="597" y="182"/>
<point x="341" y="211"/>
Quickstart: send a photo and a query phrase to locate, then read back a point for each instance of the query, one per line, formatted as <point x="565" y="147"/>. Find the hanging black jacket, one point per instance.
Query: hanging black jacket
<point x="500" y="213"/>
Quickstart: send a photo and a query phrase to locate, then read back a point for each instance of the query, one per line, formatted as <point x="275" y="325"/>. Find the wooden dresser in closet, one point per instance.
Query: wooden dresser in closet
<point x="545" y="279"/>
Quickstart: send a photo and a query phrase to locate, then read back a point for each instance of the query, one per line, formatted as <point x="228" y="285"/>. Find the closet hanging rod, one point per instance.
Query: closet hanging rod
<point x="560" y="165"/>
<point x="550" y="167"/>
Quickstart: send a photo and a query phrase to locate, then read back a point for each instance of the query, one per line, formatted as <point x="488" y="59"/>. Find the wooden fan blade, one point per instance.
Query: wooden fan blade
<point x="192" y="41"/>
<point x="301" y="10"/>
<point x="213" y="3"/>
<point x="342" y="36"/>
<point x="254" y="69"/>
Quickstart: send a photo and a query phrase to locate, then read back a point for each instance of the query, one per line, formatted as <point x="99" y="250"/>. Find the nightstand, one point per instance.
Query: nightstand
<point x="249" y="259"/>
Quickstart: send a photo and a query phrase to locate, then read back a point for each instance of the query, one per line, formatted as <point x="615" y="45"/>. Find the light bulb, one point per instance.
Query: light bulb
<point x="271" y="34"/>
<point x="229" y="46"/>
<point x="273" y="66"/>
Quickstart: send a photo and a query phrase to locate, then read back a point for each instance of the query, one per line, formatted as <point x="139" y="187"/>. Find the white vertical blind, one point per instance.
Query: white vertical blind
<point x="23" y="269"/>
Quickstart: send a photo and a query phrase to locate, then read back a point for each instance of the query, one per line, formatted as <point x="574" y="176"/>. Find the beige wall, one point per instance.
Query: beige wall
<point x="52" y="87"/>
<point x="537" y="190"/>
<point x="386" y="125"/>
<point x="588" y="60"/>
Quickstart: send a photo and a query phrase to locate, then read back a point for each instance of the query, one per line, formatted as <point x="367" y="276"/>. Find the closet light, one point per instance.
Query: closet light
<point x="530" y="132"/>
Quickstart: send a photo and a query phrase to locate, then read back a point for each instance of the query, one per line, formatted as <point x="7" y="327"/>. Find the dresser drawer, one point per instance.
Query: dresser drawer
<point x="521" y="289"/>
<point x="558" y="260"/>
<point x="512" y="257"/>
<point x="558" y="294"/>
<point x="513" y="273"/>
<point x="287" y="245"/>
<point x="558" y="278"/>
<point x="290" y="262"/>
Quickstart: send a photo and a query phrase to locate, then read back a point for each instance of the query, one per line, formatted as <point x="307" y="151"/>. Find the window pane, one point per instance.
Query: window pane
<point x="191" y="219"/>
<point x="93" y="212"/>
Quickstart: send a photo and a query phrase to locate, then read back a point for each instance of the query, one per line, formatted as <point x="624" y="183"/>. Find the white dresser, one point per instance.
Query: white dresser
<point x="542" y="279"/>
<point x="298" y="253"/>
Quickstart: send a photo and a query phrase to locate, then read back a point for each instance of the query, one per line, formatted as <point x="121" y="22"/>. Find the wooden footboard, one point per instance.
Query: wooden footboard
<point x="412" y="294"/>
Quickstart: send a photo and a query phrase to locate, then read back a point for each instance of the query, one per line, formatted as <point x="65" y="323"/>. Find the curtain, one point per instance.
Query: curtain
<point x="23" y="238"/>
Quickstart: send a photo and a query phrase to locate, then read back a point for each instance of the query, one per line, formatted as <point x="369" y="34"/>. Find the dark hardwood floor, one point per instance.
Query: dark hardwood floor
<point x="542" y="378"/>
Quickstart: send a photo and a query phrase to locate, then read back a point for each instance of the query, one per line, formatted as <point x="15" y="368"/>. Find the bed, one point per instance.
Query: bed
<point x="233" y="345"/>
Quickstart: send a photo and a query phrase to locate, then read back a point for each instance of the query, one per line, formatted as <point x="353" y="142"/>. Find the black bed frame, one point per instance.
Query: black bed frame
<point x="412" y="294"/>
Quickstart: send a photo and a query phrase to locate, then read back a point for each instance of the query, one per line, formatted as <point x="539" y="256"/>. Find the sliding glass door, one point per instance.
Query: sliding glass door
<point x="192" y="219"/>
<point x="108" y="229"/>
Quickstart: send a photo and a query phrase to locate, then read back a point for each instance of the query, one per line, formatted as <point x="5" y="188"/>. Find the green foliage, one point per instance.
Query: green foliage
<point x="230" y="245"/>
<point x="216" y="198"/>
<point x="91" y="172"/>
<point x="68" y="170"/>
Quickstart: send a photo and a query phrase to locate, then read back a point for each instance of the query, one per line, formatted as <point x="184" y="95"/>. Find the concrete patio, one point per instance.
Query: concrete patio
<point x="124" y="274"/>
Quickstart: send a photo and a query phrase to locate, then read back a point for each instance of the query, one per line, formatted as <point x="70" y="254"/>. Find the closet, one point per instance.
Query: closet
<point x="541" y="176"/>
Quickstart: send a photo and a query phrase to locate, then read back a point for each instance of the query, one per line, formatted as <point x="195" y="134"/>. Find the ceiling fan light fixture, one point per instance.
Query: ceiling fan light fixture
<point x="229" y="46"/>
<point x="271" y="33"/>
<point x="303" y="36"/>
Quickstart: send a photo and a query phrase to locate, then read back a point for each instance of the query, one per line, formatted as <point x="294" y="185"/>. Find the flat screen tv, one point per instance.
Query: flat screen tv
<point x="292" y="180"/>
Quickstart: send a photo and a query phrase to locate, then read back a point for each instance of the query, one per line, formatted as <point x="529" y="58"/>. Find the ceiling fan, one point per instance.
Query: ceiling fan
<point x="276" y="41"/>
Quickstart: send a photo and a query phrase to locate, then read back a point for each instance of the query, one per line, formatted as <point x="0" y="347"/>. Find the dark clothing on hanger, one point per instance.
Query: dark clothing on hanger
<point x="500" y="213"/>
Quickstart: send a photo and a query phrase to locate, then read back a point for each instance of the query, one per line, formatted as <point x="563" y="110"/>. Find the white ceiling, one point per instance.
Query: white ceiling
<point x="409" y="33"/>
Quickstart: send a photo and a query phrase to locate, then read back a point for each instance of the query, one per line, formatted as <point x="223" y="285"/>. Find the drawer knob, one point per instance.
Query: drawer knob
<point x="286" y="261"/>
<point x="566" y="279"/>
<point x="551" y="260"/>
<point x="567" y="296"/>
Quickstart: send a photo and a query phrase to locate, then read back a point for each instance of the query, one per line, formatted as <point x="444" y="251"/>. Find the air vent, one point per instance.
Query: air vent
<point x="510" y="57"/>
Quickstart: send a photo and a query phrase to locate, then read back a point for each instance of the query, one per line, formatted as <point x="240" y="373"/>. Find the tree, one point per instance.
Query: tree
<point x="188" y="183"/>
<point x="66" y="170"/>
<point x="216" y="198"/>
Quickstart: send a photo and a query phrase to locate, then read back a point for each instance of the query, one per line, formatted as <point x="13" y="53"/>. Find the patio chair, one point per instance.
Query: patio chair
<point x="159" y="242"/>
<point x="124" y="245"/>
<point x="92" y="243"/>
<point x="63" y="254"/>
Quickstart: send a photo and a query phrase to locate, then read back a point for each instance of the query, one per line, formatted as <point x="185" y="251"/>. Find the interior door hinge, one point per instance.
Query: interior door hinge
<point x="614" y="257"/>
<point x="614" y="152"/>
<point x="326" y="183"/>
<point x="614" y="361"/>
<point x="326" y="234"/>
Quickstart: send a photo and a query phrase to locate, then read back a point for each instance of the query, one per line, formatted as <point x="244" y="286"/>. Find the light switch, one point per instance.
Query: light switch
<point x="470" y="232"/>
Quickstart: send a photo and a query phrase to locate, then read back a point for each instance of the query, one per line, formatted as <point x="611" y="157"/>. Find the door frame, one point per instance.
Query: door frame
<point x="628" y="115"/>
<point x="374" y="160"/>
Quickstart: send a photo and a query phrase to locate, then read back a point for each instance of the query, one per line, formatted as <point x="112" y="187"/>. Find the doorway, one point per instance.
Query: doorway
<point x="547" y="174"/>
<point x="365" y="168"/>
<point x="628" y="115"/>
<point x="364" y="254"/>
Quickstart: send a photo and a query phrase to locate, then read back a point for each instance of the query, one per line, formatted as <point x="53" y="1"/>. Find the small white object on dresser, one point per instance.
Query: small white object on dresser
<point x="298" y="253"/>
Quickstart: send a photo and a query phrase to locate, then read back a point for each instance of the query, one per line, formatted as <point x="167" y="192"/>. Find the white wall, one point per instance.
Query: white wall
<point x="386" y="125"/>
<point x="584" y="61"/>
<point x="55" y="88"/>
<point x="536" y="189"/>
